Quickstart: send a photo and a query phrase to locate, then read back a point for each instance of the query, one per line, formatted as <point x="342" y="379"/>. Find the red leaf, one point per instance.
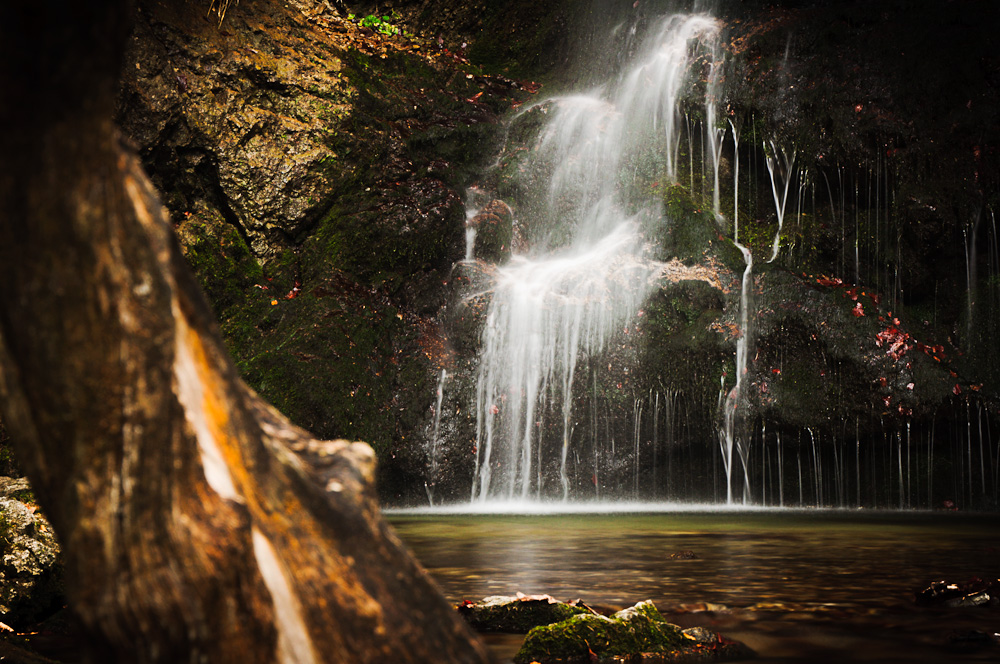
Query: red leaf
<point x="956" y="390"/>
<point x="858" y="310"/>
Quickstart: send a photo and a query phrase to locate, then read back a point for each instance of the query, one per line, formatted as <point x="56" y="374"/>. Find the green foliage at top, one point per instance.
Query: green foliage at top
<point x="382" y="24"/>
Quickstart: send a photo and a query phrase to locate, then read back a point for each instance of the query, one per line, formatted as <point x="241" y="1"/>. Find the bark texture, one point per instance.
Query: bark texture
<point x="197" y="523"/>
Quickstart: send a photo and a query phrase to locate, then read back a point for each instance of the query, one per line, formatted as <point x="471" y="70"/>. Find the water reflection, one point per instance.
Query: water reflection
<point x="822" y="585"/>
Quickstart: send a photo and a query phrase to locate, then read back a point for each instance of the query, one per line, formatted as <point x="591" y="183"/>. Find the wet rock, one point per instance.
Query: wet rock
<point x="312" y="169"/>
<point x="700" y="634"/>
<point x="699" y="607"/>
<point x="639" y="633"/>
<point x="972" y="599"/>
<point x="472" y="283"/>
<point x="974" y="592"/>
<point x="494" y="232"/>
<point x="684" y="555"/>
<point x="971" y="641"/>
<point x="30" y="573"/>
<point x="519" y="613"/>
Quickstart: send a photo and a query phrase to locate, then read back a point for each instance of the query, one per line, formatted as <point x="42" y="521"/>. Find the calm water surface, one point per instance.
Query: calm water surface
<point x="810" y="586"/>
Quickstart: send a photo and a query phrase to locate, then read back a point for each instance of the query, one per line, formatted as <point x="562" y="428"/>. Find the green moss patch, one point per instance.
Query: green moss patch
<point x="639" y="629"/>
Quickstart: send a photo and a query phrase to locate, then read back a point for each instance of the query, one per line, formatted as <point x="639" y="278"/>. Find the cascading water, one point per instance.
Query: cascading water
<point x="592" y="371"/>
<point x="784" y="175"/>
<point x="592" y="268"/>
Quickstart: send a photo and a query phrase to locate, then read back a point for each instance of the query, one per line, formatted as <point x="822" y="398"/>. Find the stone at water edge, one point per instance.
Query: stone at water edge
<point x="516" y="614"/>
<point x="974" y="592"/>
<point x="30" y="572"/>
<point x="639" y="631"/>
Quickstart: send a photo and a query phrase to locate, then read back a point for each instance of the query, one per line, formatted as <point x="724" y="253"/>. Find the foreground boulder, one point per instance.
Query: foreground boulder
<point x="30" y="573"/>
<point x="639" y="632"/>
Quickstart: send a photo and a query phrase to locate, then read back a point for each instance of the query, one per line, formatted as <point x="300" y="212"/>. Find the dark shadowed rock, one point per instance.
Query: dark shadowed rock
<point x="30" y="574"/>
<point x="494" y="232"/>
<point x="518" y="614"/>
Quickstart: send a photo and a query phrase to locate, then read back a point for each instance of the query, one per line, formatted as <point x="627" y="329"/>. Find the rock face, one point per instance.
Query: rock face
<point x="30" y="574"/>
<point x="317" y="170"/>
<point x="314" y="170"/>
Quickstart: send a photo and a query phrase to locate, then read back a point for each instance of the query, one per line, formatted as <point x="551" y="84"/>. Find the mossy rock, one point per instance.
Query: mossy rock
<point x="691" y="231"/>
<point x="639" y="629"/>
<point x="494" y="232"/>
<point x="517" y="614"/>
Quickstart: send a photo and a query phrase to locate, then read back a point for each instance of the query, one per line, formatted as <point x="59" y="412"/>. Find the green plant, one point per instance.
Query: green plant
<point x="381" y="24"/>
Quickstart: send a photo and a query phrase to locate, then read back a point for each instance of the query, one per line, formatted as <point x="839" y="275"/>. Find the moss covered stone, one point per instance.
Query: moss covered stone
<point x="494" y="232"/>
<point x="517" y="614"/>
<point x="635" y="630"/>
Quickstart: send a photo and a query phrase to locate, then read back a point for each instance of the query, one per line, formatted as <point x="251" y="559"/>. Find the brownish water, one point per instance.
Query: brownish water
<point x="797" y="586"/>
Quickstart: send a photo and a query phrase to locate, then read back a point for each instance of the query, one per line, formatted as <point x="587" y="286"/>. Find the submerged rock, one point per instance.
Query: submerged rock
<point x="639" y="632"/>
<point x="974" y="592"/>
<point x="971" y="641"/>
<point x="519" y="613"/>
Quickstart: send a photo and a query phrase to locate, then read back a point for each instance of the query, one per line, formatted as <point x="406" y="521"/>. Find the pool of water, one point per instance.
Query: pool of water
<point x="802" y="585"/>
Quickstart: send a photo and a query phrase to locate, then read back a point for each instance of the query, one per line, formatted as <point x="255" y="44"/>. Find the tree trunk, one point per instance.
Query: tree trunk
<point x="197" y="523"/>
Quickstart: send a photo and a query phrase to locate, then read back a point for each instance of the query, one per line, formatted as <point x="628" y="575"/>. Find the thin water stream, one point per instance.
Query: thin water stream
<point x="796" y="585"/>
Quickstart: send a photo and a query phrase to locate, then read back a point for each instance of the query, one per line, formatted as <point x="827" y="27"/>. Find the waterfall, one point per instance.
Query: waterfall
<point x="590" y="268"/>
